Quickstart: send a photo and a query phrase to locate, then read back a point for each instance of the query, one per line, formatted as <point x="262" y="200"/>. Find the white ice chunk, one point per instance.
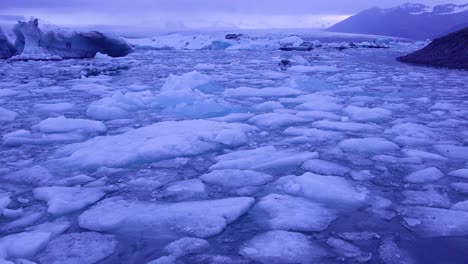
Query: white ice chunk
<point x="349" y="250"/>
<point x="291" y="213"/>
<point x="263" y="158"/>
<point x="320" y="106"/>
<point x="61" y="125"/>
<point x="156" y="142"/>
<point x="197" y="218"/>
<point x="33" y="176"/>
<point x="184" y="190"/>
<point x="436" y="222"/>
<point x="453" y="152"/>
<point x="461" y="206"/>
<point x="368" y="145"/>
<point x="332" y="191"/>
<point x="7" y="115"/>
<point x="308" y="69"/>
<point x="264" y="92"/>
<point x="274" y="247"/>
<point x="325" y="167"/>
<point x="236" y="178"/>
<point x="268" y="106"/>
<point x="4" y="200"/>
<point x="22" y="245"/>
<point x="364" y="114"/>
<point x="423" y="154"/>
<point x="276" y="120"/>
<point x="425" y="175"/>
<point x="186" y="246"/>
<point x="429" y="197"/>
<point x="461" y="173"/>
<point x="75" y="180"/>
<point x="65" y="200"/>
<point x="86" y="248"/>
<point x="188" y="82"/>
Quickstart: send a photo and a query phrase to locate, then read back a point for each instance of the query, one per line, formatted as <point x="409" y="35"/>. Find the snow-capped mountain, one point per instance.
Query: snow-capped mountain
<point x="415" y="21"/>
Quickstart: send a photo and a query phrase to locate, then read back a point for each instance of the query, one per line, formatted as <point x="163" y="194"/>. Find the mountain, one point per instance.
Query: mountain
<point x="413" y="21"/>
<point x="450" y="51"/>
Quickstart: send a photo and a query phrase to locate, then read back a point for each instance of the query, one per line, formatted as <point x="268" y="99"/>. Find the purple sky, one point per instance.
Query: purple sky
<point x="177" y="14"/>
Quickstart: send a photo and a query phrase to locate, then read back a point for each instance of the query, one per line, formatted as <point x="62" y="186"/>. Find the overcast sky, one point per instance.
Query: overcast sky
<point x="177" y="14"/>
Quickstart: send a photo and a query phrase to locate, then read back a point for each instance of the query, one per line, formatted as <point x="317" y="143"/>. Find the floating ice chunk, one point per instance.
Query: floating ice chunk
<point x="236" y="178"/>
<point x="423" y="154"/>
<point x="461" y="206"/>
<point x="86" y="248"/>
<point x="286" y="212"/>
<point x="436" y="222"/>
<point x="276" y="120"/>
<point x="4" y="200"/>
<point x="234" y="117"/>
<point x="12" y="213"/>
<point x="461" y="187"/>
<point x="263" y="158"/>
<point x="186" y="246"/>
<point x="33" y="176"/>
<point x="156" y="142"/>
<point x="426" y="198"/>
<point x="51" y="108"/>
<point x="189" y="82"/>
<point x="308" y="69"/>
<point x="75" y="180"/>
<point x="118" y="106"/>
<point x="163" y="260"/>
<point x="461" y="173"/>
<point x="263" y="92"/>
<point x="349" y="250"/>
<point x="425" y="175"/>
<point x="61" y="125"/>
<point x="65" y="200"/>
<point x="320" y="106"/>
<point x="293" y="41"/>
<point x="390" y="253"/>
<point x="412" y="130"/>
<point x="308" y="84"/>
<point x="453" y="152"/>
<point x="325" y="167"/>
<point x="332" y="191"/>
<point x="364" y="114"/>
<point x="7" y="115"/>
<point x="268" y="106"/>
<point x="8" y="92"/>
<point x="259" y="44"/>
<point x="22" y="245"/>
<point x="313" y="134"/>
<point x="362" y="175"/>
<point x="20" y="137"/>
<point x="368" y="145"/>
<point x="184" y="190"/>
<point x="197" y="218"/>
<point x="346" y="126"/>
<point x="274" y="247"/>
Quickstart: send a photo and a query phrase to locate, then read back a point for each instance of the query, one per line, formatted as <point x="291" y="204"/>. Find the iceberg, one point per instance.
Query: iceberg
<point x="34" y="43"/>
<point x="7" y="50"/>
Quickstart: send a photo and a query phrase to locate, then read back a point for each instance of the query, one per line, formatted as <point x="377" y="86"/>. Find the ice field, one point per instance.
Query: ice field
<point x="216" y="152"/>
